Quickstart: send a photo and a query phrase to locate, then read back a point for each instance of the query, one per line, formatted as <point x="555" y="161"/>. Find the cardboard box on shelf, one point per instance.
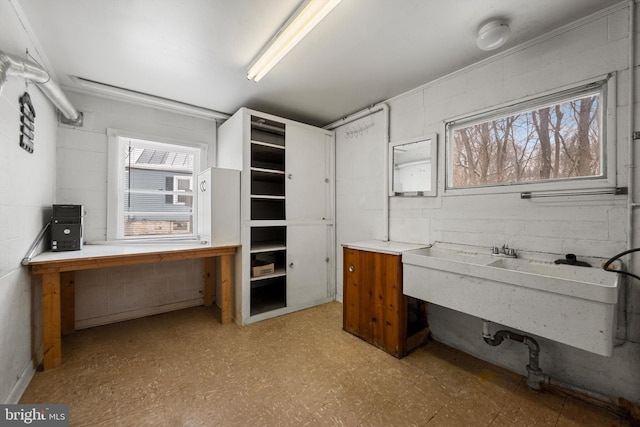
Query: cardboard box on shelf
<point x="260" y="269"/>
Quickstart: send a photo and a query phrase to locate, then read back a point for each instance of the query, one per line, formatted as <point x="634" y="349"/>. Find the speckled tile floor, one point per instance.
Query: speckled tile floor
<point x="185" y="369"/>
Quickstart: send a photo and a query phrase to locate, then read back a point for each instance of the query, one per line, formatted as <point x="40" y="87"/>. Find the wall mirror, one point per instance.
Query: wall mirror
<point x="413" y="166"/>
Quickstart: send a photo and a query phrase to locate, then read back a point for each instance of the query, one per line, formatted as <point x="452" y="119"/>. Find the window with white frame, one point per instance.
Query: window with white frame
<point x="556" y="138"/>
<point x="151" y="186"/>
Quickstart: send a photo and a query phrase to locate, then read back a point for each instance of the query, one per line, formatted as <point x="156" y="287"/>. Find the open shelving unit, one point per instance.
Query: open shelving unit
<point x="268" y="203"/>
<point x="287" y="213"/>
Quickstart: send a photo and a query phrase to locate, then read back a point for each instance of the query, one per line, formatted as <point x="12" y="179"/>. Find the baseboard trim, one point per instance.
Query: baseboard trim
<point x="135" y="314"/>
<point x="21" y="385"/>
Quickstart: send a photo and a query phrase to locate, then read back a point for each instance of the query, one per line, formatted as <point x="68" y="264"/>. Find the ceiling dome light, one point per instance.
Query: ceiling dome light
<point x="493" y="34"/>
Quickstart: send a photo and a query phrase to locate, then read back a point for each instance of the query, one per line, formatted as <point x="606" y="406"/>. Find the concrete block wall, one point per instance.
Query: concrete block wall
<point x="592" y="226"/>
<point x="114" y="294"/>
<point x="107" y="295"/>
<point x="26" y="195"/>
<point x="359" y="186"/>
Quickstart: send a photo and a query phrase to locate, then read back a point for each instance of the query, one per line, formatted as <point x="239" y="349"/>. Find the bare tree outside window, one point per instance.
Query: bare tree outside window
<point x="550" y="142"/>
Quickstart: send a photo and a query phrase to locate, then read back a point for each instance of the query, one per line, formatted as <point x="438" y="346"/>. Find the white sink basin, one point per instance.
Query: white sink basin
<point x="570" y="304"/>
<point x="582" y="282"/>
<point x="430" y="255"/>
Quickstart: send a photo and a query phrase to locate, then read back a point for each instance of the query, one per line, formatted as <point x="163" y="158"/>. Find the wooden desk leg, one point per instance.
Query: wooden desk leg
<point x="67" y="302"/>
<point x="209" y="281"/>
<point x="51" y="320"/>
<point x="224" y="299"/>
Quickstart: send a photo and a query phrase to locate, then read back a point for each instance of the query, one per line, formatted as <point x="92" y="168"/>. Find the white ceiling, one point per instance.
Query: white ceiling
<point x="197" y="51"/>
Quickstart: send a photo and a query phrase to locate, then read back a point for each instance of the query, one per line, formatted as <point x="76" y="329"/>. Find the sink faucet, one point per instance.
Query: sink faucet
<point x="504" y="251"/>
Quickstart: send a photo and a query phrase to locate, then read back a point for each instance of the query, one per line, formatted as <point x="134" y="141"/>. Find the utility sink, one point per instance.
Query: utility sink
<point x="571" y="304"/>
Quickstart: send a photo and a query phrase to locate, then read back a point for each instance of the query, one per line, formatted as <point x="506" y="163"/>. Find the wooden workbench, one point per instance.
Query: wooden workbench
<point x="57" y="271"/>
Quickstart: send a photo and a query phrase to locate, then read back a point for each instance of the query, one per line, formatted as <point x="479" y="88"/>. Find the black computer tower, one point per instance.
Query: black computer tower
<point x="66" y="228"/>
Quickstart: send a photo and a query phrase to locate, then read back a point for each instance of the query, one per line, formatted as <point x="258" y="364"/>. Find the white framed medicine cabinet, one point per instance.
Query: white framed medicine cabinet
<point x="413" y="166"/>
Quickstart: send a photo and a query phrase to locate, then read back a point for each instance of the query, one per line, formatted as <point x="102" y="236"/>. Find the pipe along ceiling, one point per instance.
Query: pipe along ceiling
<point x="17" y="67"/>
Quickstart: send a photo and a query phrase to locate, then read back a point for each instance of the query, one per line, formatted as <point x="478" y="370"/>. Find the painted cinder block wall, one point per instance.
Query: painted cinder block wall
<point x="587" y="226"/>
<point x="113" y="294"/>
<point x="69" y="165"/>
<point x="27" y="191"/>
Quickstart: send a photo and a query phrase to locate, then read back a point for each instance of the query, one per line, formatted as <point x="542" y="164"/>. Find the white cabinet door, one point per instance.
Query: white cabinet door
<point x="219" y="206"/>
<point x="204" y="204"/>
<point x="306" y="186"/>
<point x="225" y="206"/>
<point x="307" y="265"/>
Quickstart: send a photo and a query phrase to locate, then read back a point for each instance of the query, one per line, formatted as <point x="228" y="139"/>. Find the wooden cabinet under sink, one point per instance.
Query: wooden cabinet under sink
<point x="374" y="307"/>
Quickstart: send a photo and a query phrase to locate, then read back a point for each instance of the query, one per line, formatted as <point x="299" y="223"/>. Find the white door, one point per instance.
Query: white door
<point x="307" y="265"/>
<point x="306" y="166"/>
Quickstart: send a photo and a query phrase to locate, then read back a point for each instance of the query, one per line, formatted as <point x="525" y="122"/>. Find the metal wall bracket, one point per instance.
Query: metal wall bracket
<point x="66" y="121"/>
<point x="617" y="191"/>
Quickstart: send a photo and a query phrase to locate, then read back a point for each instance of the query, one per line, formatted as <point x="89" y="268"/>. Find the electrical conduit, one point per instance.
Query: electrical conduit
<point x="631" y="99"/>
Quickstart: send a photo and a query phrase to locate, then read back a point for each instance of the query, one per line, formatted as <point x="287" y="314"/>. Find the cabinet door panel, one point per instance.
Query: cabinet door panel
<point x="204" y="204"/>
<point x="393" y="306"/>
<point x="307" y="268"/>
<point x="379" y="289"/>
<point x="306" y="172"/>
<point x="369" y="288"/>
<point x="350" y="293"/>
<point x="360" y="311"/>
<point x="373" y="301"/>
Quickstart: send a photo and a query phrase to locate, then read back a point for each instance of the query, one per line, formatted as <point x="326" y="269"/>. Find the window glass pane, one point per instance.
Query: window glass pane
<point x="149" y="225"/>
<point x="157" y="193"/>
<point x="551" y="142"/>
<point x="157" y="203"/>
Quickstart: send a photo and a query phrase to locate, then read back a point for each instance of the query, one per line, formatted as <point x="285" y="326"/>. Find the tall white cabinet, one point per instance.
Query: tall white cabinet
<point x="287" y="213"/>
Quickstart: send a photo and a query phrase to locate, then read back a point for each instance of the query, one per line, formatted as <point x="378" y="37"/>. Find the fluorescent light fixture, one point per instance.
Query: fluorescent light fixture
<point x="493" y="34"/>
<point x="305" y="18"/>
<point x="121" y="94"/>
